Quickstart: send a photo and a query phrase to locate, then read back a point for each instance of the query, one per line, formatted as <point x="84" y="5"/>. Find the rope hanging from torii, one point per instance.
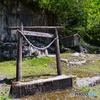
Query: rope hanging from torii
<point x="33" y="45"/>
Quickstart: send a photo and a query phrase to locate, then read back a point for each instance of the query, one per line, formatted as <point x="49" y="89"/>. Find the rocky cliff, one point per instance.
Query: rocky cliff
<point x="13" y="14"/>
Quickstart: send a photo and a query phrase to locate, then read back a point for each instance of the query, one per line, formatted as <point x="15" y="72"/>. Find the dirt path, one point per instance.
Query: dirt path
<point x="1" y="78"/>
<point x="4" y="88"/>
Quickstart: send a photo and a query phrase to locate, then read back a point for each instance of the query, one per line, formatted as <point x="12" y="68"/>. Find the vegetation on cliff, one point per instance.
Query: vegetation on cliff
<point x="78" y="16"/>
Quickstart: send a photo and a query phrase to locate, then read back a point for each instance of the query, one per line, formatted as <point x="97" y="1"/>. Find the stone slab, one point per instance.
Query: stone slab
<point x="58" y="83"/>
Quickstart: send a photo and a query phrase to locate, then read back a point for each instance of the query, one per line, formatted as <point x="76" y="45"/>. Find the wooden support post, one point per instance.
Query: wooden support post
<point x="19" y="55"/>
<point x="57" y="51"/>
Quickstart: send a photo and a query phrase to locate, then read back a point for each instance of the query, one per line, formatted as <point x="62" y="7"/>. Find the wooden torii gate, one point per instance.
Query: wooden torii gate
<point x="29" y="30"/>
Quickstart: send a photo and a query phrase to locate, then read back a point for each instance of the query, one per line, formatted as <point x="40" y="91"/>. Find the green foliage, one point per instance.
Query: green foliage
<point x="1" y="59"/>
<point x="86" y="88"/>
<point x="22" y="80"/>
<point x="31" y="66"/>
<point x="3" y="95"/>
<point x="61" y="46"/>
<point x="45" y="65"/>
<point x="77" y="16"/>
<point x="5" y="98"/>
<point x="95" y="52"/>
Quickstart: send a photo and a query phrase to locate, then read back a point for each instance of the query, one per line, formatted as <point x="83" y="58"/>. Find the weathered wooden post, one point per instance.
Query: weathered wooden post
<point x="57" y="51"/>
<point x="19" y="55"/>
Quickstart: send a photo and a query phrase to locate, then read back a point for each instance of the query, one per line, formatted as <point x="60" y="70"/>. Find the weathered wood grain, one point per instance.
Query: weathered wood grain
<point x="36" y="27"/>
<point x="32" y="33"/>
<point x="57" y="51"/>
<point x="19" y="55"/>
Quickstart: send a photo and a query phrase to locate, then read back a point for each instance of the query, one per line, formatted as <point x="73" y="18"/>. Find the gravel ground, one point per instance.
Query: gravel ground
<point x="4" y="88"/>
<point x="88" y="81"/>
<point x="1" y="78"/>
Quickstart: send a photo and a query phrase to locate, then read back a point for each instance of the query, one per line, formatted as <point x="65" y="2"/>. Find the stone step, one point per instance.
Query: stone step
<point x="58" y="83"/>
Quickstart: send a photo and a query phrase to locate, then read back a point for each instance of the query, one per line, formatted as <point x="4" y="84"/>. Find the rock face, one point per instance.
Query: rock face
<point x="82" y="49"/>
<point x="9" y="50"/>
<point x="13" y="15"/>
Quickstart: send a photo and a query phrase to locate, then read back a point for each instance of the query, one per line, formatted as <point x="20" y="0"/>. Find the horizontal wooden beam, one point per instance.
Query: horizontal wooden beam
<point x="39" y="34"/>
<point x="32" y="33"/>
<point x="36" y="27"/>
